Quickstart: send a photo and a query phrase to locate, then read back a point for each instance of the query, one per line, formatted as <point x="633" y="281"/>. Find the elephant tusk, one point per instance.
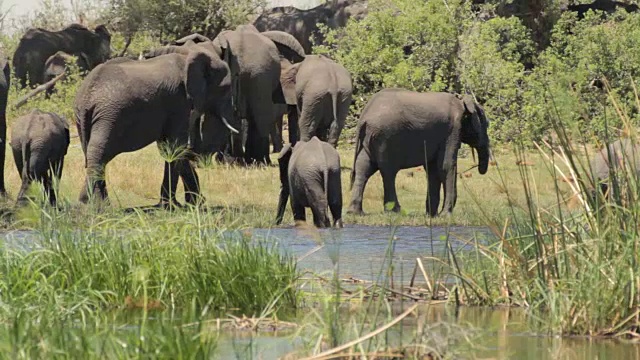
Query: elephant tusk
<point x="226" y="123"/>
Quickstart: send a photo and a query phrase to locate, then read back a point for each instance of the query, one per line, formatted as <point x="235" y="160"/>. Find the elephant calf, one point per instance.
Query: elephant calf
<point x="39" y="141"/>
<point x="310" y="173"/>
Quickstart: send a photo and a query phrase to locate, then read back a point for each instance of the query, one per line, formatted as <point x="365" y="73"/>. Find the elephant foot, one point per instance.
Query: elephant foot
<point x="355" y="211"/>
<point x="338" y="224"/>
<point x="168" y="205"/>
<point x="389" y="208"/>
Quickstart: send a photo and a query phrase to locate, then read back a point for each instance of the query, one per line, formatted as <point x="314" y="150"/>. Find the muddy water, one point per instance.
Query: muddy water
<point x="362" y="251"/>
<point x="471" y="333"/>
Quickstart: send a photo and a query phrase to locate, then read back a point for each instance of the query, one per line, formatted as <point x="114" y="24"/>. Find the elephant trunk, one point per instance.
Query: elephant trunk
<point x="483" y="159"/>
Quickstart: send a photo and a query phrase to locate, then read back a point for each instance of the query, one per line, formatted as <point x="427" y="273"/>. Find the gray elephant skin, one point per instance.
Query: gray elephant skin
<point x="303" y="24"/>
<point x="125" y="105"/>
<point x="256" y="67"/>
<point x="400" y="129"/>
<point x="39" y="141"/>
<point x="322" y="91"/>
<point x="611" y="159"/>
<point x="37" y="45"/>
<point x="5" y="82"/>
<point x="254" y="62"/>
<point x="310" y="175"/>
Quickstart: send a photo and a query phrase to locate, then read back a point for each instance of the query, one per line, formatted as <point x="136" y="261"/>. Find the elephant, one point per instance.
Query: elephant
<point x="254" y="60"/>
<point x="276" y="131"/>
<point x="256" y="69"/>
<point x="57" y="63"/>
<point x="322" y="91"/>
<point x="310" y="174"/>
<point x="39" y="141"/>
<point x="303" y="24"/>
<point x="124" y="105"/>
<point x="38" y="45"/>
<point x="400" y="129"/>
<point x="613" y="157"/>
<point x="5" y="83"/>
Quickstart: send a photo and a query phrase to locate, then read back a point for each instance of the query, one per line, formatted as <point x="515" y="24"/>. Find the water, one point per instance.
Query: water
<point x="362" y="251"/>
<point x="500" y="333"/>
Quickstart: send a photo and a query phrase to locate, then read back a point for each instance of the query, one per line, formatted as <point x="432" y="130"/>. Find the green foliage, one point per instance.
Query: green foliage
<point x="444" y="46"/>
<point x="174" y="19"/>
<point x="170" y="260"/>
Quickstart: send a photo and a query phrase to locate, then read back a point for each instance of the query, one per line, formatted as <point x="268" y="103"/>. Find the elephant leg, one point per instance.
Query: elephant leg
<point x="169" y="185"/>
<point x="292" y="123"/>
<point x="49" y="191"/>
<point x="334" y="194"/>
<point x="319" y="206"/>
<point x="191" y="183"/>
<point x="307" y="122"/>
<point x="26" y="182"/>
<point x="276" y="134"/>
<point x="389" y="184"/>
<point x="363" y="168"/>
<point x="298" y="210"/>
<point x="95" y="184"/>
<point x="450" y="188"/>
<point x="3" y="150"/>
<point x="433" y="191"/>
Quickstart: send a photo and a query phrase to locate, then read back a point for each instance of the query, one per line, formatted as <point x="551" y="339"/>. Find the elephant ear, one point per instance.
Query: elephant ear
<point x="196" y="79"/>
<point x="287" y="45"/>
<point x="472" y="108"/>
<point x="288" y="81"/>
<point x="221" y="43"/>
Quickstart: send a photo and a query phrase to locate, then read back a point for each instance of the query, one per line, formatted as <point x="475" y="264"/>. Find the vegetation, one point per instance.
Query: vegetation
<point x="86" y="275"/>
<point x="449" y="46"/>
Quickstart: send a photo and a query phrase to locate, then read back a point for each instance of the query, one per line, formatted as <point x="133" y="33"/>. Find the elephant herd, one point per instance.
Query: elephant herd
<point x="226" y="95"/>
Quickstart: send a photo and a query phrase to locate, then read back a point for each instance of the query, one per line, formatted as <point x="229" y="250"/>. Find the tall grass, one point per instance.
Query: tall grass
<point x="173" y="260"/>
<point x="575" y="267"/>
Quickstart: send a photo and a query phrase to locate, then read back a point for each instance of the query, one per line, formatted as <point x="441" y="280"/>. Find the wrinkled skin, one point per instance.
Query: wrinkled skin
<point x="39" y="141"/>
<point x="5" y="82"/>
<point x="38" y="45"/>
<point x="276" y="131"/>
<point x="400" y="129"/>
<point x="254" y="62"/>
<point x="303" y="24"/>
<point x="125" y="105"/>
<point x="621" y="153"/>
<point x="322" y="91"/>
<point x="255" y="66"/>
<point x="310" y="174"/>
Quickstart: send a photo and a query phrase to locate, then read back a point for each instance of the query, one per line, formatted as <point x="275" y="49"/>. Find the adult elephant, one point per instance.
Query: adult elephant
<point x="254" y="61"/>
<point x="322" y="91"/>
<point x="124" y="105"/>
<point x="38" y="45"/>
<point x="303" y="24"/>
<point x="400" y="129"/>
<point x="255" y="66"/>
<point x="5" y="82"/>
<point x="611" y="159"/>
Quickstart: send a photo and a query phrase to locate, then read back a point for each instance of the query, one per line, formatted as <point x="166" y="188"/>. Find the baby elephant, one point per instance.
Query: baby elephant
<point x="39" y="141"/>
<point x="310" y="173"/>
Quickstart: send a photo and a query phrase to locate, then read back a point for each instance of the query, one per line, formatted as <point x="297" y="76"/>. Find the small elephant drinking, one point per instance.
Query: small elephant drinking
<point x="400" y="129"/>
<point x="39" y="141"/>
<point x="310" y="174"/>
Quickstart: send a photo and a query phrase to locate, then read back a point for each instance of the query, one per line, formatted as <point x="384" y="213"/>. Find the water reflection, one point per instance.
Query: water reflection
<point x="362" y="251"/>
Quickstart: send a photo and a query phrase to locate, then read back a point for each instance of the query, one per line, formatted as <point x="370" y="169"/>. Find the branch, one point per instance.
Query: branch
<point x="40" y="89"/>
<point x="126" y="45"/>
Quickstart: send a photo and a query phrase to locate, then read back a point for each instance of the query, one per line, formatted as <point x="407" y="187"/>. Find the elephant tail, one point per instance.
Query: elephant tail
<point x="360" y="130"/>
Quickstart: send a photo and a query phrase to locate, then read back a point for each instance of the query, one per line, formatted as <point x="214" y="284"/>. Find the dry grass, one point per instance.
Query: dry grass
<point x="133" y="179"/>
